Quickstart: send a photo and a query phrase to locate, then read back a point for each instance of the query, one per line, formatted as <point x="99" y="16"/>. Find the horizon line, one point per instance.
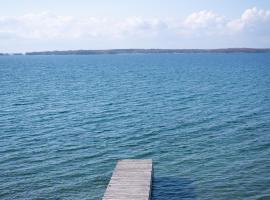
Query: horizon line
<point x="141" y="50"/>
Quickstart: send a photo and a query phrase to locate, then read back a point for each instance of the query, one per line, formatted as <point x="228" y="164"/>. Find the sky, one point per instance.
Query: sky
<point x="39" y="25"/>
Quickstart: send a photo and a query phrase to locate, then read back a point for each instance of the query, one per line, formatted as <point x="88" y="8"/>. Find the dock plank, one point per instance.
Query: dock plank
<point x="131" y="180"/>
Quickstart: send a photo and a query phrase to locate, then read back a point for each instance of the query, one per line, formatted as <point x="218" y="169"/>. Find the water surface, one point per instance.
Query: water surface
<point x="204" y="119"/>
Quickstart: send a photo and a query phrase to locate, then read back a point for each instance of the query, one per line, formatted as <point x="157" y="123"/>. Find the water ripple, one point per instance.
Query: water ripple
<point x="202" y="118"/>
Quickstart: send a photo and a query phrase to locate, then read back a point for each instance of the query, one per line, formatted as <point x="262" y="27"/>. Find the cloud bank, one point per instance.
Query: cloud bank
<point x="46" y="27"/>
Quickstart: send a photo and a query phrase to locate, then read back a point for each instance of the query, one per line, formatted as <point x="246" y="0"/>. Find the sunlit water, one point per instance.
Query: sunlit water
<point x="204" y="119"/>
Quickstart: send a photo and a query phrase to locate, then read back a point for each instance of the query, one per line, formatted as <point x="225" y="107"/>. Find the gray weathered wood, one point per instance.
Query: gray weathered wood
<point x="131" y="180"/>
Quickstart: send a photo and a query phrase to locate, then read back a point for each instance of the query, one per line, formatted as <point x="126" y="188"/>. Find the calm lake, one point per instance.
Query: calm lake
<point x="204" y="119"/>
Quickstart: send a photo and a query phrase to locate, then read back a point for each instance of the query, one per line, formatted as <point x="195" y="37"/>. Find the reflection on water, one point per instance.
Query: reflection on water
<point x="173" y="188"/>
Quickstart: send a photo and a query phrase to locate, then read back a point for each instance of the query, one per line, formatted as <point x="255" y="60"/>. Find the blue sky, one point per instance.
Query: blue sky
<point x="35" y="25"/>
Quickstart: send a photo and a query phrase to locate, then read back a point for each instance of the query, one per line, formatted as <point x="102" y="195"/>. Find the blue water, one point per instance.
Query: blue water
<point x="204" y="119"/>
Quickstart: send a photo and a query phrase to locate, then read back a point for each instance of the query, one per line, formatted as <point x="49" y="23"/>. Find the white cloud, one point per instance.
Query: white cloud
<point x="138" y="26"/>
<point x="50" y="26"/>
<point x="203" y="19"/>
<point x="252" y="20"/>
<point x="47" y="26"/>
<point x="203" y="23"/>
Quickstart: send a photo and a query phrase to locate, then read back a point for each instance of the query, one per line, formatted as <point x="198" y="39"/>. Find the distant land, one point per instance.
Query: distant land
<point x="144" y="51"/>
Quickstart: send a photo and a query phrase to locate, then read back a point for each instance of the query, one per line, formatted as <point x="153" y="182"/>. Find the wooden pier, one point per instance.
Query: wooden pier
<point x="131" y="180"/>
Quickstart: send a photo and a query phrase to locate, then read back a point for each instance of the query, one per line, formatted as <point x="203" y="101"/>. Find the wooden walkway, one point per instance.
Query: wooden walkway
<point x="131" y="180"/>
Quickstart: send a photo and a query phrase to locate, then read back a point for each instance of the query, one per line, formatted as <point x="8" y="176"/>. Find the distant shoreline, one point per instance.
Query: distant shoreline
<point x="143" y="51"/>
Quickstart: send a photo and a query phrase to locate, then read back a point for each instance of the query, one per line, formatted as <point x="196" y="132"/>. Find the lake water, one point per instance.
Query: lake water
<point x="204" y="119"/>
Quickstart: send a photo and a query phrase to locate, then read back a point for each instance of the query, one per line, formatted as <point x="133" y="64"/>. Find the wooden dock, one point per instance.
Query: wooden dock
<point x="131" y="180"/>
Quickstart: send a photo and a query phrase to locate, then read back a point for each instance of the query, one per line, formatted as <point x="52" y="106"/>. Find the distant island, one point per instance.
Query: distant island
<point x="145" y="51"/>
